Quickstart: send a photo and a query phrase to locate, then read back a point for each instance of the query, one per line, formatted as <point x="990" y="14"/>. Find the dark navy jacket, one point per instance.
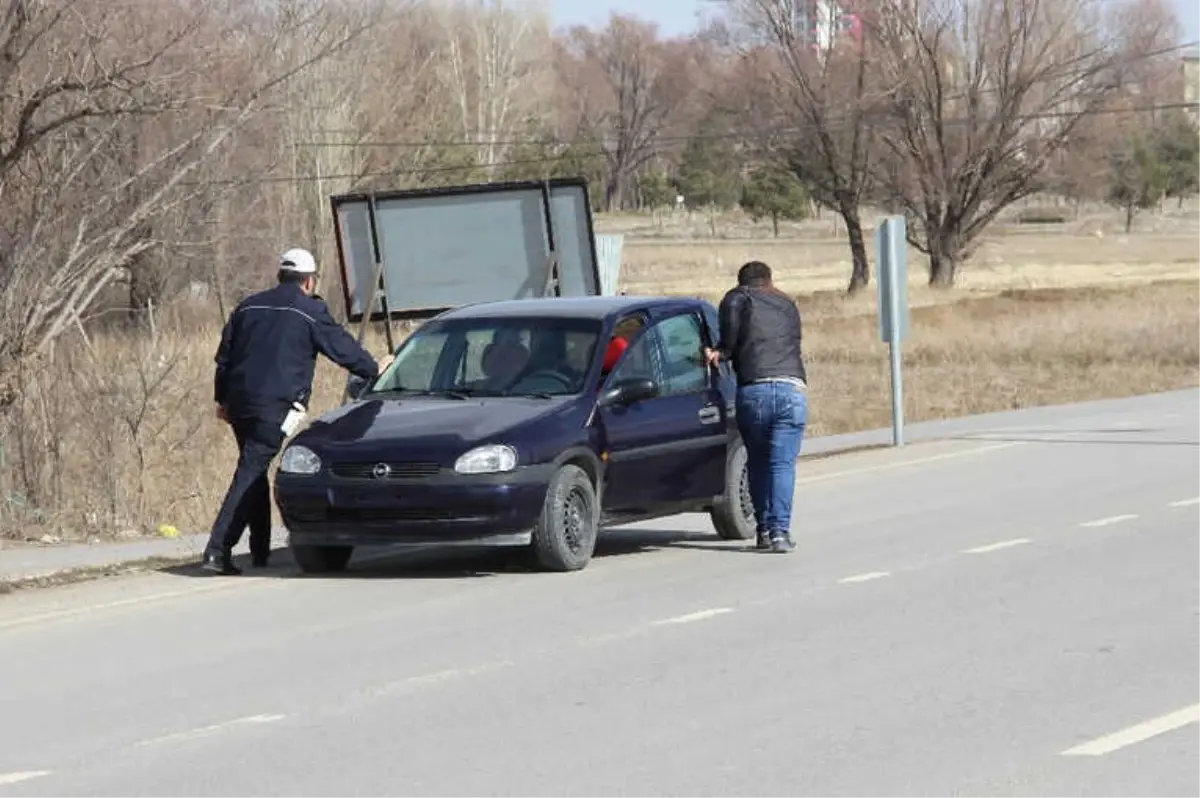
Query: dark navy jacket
<point x="269" y="350"/>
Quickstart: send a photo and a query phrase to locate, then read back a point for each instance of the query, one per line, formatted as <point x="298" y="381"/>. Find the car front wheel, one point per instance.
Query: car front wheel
<point x="565" y="536"/>
<point x="733" y="514"/>
<point x="321" y="559"/>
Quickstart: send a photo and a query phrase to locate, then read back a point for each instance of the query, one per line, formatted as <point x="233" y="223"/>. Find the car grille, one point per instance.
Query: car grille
<point x="378" y="514"/>
<point x="395" y="470"/>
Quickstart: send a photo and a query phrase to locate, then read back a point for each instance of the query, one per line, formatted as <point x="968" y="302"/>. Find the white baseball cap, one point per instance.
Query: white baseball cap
<point x="299" y="261"/>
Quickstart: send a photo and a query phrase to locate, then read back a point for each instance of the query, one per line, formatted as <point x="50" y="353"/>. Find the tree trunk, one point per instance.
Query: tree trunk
<point x="1129" y="211"/>
<point x="860" y="272"/>
<point x="775" y="223"/>
<point x="614" y="192"/>
<point x="942" y="265"/>
<point x="945" y="253"/>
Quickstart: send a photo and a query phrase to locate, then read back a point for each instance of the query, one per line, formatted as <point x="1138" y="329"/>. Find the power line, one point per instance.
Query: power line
<point x="741" y="135"/>
<point x="781" y="129"/>
<point x="587" y="153"/>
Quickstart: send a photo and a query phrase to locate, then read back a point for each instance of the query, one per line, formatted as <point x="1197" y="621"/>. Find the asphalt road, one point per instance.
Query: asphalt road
<point x="1009" y="614"/>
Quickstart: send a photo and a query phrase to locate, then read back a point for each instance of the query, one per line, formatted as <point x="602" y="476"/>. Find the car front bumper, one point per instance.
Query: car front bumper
<point x="446" y="509"/>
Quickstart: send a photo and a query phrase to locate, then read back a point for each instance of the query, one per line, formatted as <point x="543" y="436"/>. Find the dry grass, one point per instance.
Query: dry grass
<point x="822" y="264"/>
<point x="1018" y="349"/>
<point x="120" y="438"/>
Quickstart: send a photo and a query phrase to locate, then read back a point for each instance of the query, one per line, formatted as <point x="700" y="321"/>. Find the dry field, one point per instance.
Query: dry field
<point x="706" y="268"/>
<point x="120" y="439"/>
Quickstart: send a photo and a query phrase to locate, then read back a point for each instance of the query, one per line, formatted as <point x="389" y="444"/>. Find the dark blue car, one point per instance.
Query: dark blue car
<point x="529" y="423"/>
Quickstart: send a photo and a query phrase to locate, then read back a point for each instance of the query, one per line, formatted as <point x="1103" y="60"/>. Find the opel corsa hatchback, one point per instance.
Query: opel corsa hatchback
<point x="526" y="423"/>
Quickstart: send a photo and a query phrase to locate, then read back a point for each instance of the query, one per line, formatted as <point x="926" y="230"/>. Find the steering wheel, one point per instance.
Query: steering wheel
<point x="563" y="381"/>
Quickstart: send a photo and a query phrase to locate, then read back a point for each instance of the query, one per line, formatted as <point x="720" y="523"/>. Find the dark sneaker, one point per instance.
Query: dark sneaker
<point x="764" y="541"/>
<point x="220" y="564"/>
<point x="781" y="543"/>
<point x="260" y="559"/>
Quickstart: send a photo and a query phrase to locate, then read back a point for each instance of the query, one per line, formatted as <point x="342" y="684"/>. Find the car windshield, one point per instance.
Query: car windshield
<point x="460" y="358"/>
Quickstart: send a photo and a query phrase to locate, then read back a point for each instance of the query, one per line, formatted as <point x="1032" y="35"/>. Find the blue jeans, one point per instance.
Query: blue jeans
<point x="771" y="417"/>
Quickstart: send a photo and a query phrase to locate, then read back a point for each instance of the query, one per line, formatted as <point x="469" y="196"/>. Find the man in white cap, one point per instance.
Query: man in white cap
<point x="265" y="363"/>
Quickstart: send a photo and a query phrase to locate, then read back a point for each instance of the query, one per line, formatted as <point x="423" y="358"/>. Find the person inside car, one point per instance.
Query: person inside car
<point x="502" y="362"/>
<point x="616" y="348"/>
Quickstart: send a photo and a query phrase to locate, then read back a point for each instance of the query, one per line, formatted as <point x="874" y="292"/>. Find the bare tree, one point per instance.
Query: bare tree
<point x="74" y="73"/>
<point x="495" y="60"/>
<point x="621" y="83"/>
<point x="816" y="92"/>
<point x="988" y="92"/>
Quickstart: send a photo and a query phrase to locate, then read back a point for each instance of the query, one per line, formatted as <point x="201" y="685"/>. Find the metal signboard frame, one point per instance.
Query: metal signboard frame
<point x="390" y="277"/>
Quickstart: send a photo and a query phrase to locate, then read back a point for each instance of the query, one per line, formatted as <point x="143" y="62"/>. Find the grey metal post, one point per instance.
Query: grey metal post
<point x="895" y="275"/>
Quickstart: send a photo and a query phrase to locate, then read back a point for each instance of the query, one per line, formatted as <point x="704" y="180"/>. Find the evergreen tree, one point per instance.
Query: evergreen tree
<point x="775" y="194"/>
<point x="709" y="176"/>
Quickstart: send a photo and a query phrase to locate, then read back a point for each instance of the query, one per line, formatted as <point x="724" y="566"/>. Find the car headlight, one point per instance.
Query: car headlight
<point x="487" y="460"/>
<point x="299" y="460"/>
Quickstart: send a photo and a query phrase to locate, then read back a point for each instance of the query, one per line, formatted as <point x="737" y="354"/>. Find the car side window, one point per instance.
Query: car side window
<point x="641" y="361"/>
<point x="683" y="354"/>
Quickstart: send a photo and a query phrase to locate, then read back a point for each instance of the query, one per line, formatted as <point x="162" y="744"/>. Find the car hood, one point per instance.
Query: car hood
<point x="427" y="428"/>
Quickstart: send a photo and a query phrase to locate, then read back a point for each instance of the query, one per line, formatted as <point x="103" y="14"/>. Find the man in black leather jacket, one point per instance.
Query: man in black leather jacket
<point x="760" y="336"/>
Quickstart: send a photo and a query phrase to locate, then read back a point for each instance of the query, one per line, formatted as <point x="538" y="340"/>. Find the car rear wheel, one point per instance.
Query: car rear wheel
<point x="733" y="514"/>
<point x="566" y="533"/>
<point x="321" y="559"/>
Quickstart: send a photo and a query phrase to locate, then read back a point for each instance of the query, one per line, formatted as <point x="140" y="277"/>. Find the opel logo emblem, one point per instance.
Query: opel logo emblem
<point x="381" y="471"/>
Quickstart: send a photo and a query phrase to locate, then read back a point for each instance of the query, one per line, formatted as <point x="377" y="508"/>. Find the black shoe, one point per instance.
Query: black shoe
<point x="764" y="541"/>
<point x="220" y="564"/>
<point x="781" y="543"/>
<point x="260" y="559"/>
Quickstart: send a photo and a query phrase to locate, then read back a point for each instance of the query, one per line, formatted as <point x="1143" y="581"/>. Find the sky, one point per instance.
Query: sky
<point x="674" y="17"/>
<point x="679" y="16"/>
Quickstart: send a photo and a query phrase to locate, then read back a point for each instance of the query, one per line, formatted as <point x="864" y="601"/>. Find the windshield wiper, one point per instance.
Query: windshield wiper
<point x="450" y="392"/>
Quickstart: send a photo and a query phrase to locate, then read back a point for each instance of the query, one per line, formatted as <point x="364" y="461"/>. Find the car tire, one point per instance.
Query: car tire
<point x="322" y="559"/>
<point x="565" y="536"/>
<point x="733" y="513"/>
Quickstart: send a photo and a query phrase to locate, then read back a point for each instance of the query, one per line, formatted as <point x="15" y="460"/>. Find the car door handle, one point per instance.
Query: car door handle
<point x="710" y="415"/>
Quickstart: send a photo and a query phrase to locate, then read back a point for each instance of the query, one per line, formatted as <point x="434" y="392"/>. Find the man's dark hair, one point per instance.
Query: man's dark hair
<point x="754" y="274"/>
<point x="287" y="276"/>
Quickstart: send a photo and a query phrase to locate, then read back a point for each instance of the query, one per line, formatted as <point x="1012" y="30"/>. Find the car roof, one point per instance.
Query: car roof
<point x="584" y="307"/>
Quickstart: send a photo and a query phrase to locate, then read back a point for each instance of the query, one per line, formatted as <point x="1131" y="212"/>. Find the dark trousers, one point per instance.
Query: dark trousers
<point x="248" y="500"/>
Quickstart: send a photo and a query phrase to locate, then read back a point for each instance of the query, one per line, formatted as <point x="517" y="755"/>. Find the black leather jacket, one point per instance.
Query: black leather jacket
<point x="760" y="334"/>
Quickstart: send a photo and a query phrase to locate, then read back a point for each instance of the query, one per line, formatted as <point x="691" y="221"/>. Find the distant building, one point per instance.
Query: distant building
<point x="1190" y="67"/>
<point x="821" y="22"/>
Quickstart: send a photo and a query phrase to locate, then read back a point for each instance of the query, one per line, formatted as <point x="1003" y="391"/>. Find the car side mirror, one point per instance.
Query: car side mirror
<point x="627" y="392"/>
<point x="356" y="386"/>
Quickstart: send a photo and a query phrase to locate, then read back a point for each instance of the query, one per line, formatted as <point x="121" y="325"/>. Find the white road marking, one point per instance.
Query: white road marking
<point x="1136" y="734"/>
<point x="918" y="461"/>
<point x="24" y="775"/>
<point x="864" y="577"/>
<point x="439" y="676"/>
<point x="1186" y="502"/>
<point x="1114" y="519"/>
<point x="695" y="616"/>
<point x="208" y="731"/>
<point x="1004" y="544"/>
